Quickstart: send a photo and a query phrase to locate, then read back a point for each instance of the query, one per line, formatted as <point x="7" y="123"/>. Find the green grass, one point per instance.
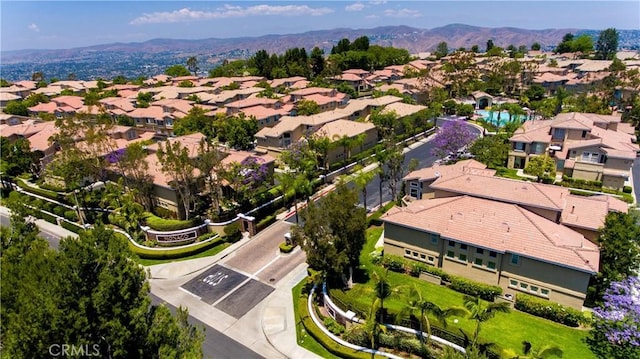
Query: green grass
<point x="209" y="252"/>
<point x="303" y="338"/>
<point x="507" y="330"/>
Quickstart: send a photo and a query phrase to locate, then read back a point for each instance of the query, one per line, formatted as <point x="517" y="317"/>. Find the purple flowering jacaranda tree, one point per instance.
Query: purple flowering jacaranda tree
<point x="451" y="137"/>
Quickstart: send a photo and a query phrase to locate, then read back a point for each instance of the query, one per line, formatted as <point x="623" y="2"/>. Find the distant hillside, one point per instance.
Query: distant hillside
<point x="151" y="57"/>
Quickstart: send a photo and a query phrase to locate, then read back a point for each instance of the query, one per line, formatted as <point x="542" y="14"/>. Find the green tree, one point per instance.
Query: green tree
<point x="195" y="121"/>
<point x="607" y="44"/>
<point x="17" y="158"/>
<point x="192" y="65"/>
<point x="360" y="44"/>
<point x="18" y="108"/>
<point x="176" y="163"/>
<point x="543" y="352"/>
<point x="441" y="50"/>
<point x="565" y="45"/>
<point x="475" y="49"/>
<point x="535" y="46"/>
<point x="361" y="181"/>
<point x="177" y="71"/>
<point x="493" y="151"/>
<point x="481" y="312"/>
<point x="541" y="166"/>
<point x="307" y="108"/>
<point x="209" y="163"/>
<point x="144" y="99"/>
<point x="490" y="45"/>
<point x="619" y="242"/>
<point x="317" y="61"/>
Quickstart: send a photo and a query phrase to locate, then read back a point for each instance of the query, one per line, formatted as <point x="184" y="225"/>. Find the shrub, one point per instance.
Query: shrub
<point x="356" y="335"/>
<point x="333" y="326"/>
<point x="285" y="248"/>
<point x="71" y="227"/>
<point x="627" y="189"/>
<point x="41" y="192"/>
<point x="475" y="289"/>
<point x="549" y="310"/>
<point x="173" y="253"/>
<point x="71" y="215"/>
<point x="165" y="213"/>
<point x="204" y="237"/>
<point x="168" y="225"/>
<point x="59" y="211"/>
<point x="47" y="217"/>
<point x="265" y="222"/>
<point x="393" y="263"/>
<point x="232" y="231"/>
<point x="52" y="187"/>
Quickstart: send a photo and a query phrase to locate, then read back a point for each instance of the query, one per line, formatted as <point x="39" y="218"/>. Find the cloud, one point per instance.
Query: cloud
<point x="33" y="27"/>
<point x="355" y="7"/>
<point x="402" y="13"/>
<point x="377" y="2"/>
<point x="228" y="11"/>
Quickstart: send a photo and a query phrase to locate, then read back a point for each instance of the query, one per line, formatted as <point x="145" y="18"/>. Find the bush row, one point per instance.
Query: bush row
<point x="51" y="187"/>
<point x="265" y="222"/>
<point x="71" y="227"/>
<point x="286" y="248"/>
<point x="168" y="225"/>
<point x="459" y="284"/>
<point x="42" y="192"/>
<point x="549" y="310"/>
<point x="175" y="253"/>
<point x="328" y="343"/>
<point x="581" y="184"/>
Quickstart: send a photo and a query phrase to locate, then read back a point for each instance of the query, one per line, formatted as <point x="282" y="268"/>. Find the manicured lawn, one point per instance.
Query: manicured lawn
<point x="304" y="339"/>
<point x="209" y="252"/>
<point x="507" y="330"/>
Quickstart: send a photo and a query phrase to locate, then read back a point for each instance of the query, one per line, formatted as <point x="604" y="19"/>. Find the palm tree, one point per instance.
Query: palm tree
<point x="382" y="290"/>
<point x="346" y="142"/>
<point x="372" y="327"/>
<point x="543" y="352"/>
<point x="480" y="312"/>
<point x="417" y="304"/>
<point x="286" y="181"/>
<point x="362" y="179"/>
<point x="192" y="65"/>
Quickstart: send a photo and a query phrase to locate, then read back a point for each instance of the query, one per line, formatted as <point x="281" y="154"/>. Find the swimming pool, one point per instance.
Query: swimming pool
<point x="492" y="117"/>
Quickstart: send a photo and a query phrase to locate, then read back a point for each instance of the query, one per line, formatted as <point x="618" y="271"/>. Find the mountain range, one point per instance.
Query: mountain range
<point x="150" y="56"/>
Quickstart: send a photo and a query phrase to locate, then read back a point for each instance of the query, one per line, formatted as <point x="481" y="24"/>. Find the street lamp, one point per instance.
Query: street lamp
<point x="75" y="195"/>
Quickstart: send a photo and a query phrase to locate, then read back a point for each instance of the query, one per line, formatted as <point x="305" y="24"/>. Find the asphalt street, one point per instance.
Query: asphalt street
<point x="52" y="238"/>
<point x="635" y="170"/>
<point x="216" y="344"/>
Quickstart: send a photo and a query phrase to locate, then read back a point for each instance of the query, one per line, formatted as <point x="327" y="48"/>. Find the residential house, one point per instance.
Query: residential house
<point x="496" y="243"/>
<point x="362" y="136"/>
<point x="585" y="146"/>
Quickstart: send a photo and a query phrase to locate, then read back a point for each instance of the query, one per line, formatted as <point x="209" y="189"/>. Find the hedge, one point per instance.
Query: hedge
<point x="475" y="289"/>
<point x="42" y="192"/>
<point x="71" y="227"/>
<point x="232" y="231"/>
<point x="47" y="217"/>
<point x="175" y="252"/>
<point x="324" y="340"/>
<point x="549" y="310"/>
<point x="168" y="225"/>
<point x="265" y="222"/>
<point x="627" y="189"/>
<point x="459" y="284"/>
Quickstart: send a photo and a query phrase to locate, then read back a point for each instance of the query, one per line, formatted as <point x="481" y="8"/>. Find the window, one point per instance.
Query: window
<point x="558" y="133"/>
<point x="478" y="261"/>
<point x="491" y="265"/>
<point x="515" y="259"/>
<point x="590" y="157"/>
<point x="450" y="254"/>
<point x="513" y="283"/>
<point x="479" y="250"/>
<point x="533" y="288"/>
<point x="407" y="252"/>
<point x="544" y="292"/>
<point x="584" y="134"/>
<point x="519" y="146"/>
<point x="422" y="256"/>
<point x="452" y="244"/>
<point x="430" y="259"/>
<point x="415" y="254"/>
<point x="492" y="254"/>
<point x="434" y="238"/>
<point x="463" y="246"/>
<point x="462" y="257"/>
<point x="523" y="285"/>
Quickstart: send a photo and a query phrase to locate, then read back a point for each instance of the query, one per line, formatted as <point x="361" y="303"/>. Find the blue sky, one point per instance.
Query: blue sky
<point x="66" y="24"/>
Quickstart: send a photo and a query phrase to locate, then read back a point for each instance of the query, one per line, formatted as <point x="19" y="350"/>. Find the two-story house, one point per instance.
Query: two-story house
<point x="585" y="146"/>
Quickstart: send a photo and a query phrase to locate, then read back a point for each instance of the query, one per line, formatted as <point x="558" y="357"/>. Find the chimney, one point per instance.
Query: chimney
<point x="573" y="209"/>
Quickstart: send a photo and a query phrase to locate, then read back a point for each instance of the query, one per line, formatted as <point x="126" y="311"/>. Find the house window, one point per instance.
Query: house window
<point x="534" y="289"/>
<point x="519" y="146"/>
<point x="450" y="254"/>
<point x="407" y="252"/>
<point x="491" y="265"/>
<point x="422" y="256"/>
<point x="544" y="292"/>
<point x="584" y="134"/>
<point x="452" y="244"/>
<point x="523" y="286"/>
<point x="513" y="283"/>
<point x="463" y="246"/>
<point x="479" y="250"/>
<point x="415" y="254"/>
<point x="478" y="262"/>
<point x="434" y="238"/>
<point x="558" y="133"/>
<point x="492" y="254"/>
<point x="590" y="157"/>
<point x="462" y="257"/>
<point x="430" y="259"/>
<point x="515" y="259"/>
